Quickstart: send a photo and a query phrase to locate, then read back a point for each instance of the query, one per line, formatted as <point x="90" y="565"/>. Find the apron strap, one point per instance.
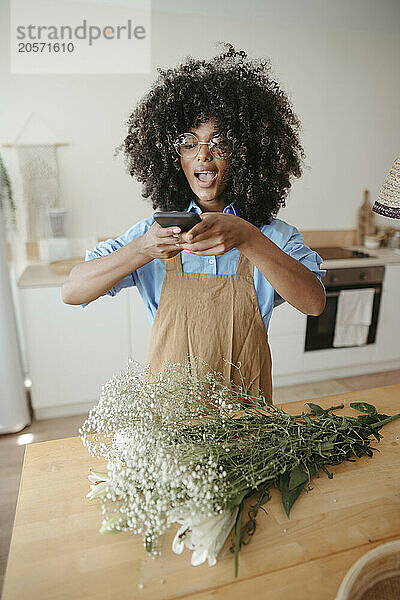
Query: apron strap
<point x="174" y="263"/>
<point x="244" y="266"/>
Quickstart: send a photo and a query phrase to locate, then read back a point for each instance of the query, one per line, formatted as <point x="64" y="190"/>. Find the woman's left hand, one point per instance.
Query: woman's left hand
<point x="216" y="234"/>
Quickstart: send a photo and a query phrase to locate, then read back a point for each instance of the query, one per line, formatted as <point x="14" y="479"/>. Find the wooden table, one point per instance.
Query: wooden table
<point x="57" y="553"/>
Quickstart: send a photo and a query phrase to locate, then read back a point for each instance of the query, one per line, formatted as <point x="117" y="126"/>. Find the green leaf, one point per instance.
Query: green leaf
<point x="238" y="528"/>
<point x="297" y="477"/>
<point x="111" y="525"/>
<point x="289" y="497"/>
<point x="345" y="424"/>
<point x="250" y="526"/>
<point x="319" y="411"/>
<point x="326" y="446"/>
<point x="364" y="407"/>
<point x="384" y="421"/>
<point x="315" y="409"/>
<point x="239" y="498"/>
<point x="367" y="419"/>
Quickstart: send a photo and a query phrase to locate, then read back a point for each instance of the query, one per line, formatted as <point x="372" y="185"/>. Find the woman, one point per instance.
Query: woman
<point x="219" y="138"/>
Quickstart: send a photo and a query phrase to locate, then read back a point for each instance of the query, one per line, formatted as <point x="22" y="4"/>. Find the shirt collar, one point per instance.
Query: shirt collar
<point x="193" y="206"/>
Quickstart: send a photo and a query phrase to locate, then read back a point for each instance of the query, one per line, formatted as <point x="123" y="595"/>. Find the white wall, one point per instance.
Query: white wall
<point x="339" y="62"/>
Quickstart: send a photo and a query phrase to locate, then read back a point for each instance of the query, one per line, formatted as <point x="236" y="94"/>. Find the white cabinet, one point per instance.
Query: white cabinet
<point x="387" y="343"/>
<point x="286" y="334"/>
<point x="140" y="327"/>
<point x="72" y="351"/>
<point x="287" y="354"/>
<point x="287" y="320"/>
<point x="332" y="358"/>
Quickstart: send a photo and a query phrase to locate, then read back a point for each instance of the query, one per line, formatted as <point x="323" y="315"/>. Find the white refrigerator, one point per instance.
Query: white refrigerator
<point x="14" y="408"/>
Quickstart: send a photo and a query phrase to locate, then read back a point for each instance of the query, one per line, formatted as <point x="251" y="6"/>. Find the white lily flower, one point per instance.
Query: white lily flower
<point x="205" y="538"/>
<point x="96" y="477"/>
<point x="97" y="490"/>
<point x="99" y="485"/>
<point x="178" y="545"/>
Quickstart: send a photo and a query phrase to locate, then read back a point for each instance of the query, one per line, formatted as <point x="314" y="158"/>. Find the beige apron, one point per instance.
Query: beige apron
<point x="211" y="317"/>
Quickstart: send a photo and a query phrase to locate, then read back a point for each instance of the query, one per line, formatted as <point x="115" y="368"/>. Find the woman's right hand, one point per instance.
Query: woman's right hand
<point x="160" y="242"/>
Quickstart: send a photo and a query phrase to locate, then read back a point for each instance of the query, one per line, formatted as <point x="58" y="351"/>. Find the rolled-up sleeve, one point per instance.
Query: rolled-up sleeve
<point x="110" y="245"/>
<point x="296" y="248"/>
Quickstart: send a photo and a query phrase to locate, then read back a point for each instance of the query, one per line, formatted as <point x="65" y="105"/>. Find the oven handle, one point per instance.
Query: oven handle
<point x="332" y="294"/>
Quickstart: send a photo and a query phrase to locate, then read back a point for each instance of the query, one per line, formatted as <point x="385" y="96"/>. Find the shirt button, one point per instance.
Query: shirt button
<point x="211" y="261"/>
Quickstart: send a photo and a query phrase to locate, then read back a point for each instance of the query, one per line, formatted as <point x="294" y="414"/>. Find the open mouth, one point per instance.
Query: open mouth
<point x="205" y="178"/>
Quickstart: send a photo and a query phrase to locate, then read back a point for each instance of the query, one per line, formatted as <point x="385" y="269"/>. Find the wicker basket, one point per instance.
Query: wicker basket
<point x="375" y="576"/>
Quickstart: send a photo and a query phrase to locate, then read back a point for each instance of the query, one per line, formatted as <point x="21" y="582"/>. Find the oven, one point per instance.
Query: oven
<point x="320" y="330"/>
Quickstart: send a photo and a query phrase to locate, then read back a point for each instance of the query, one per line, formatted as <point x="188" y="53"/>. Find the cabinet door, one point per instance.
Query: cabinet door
<point x="332" y="358"/>
<point x="287" y="353"/>
<point x="387" y="343"/>
<point x="287" y="320"/>
<point x="286" y="334"/>
<point x="73" y="351"/>
<point x="139" y="326"/>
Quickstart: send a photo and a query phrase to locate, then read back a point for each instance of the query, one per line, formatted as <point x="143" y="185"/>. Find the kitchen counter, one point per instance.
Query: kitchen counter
<point x="57" y="552"/>
<point x="380" y="256"/>
<point x="38" y="274"/>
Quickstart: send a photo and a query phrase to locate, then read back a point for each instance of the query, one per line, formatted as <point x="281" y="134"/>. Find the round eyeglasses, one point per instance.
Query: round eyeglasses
<point x="188" y="145"/>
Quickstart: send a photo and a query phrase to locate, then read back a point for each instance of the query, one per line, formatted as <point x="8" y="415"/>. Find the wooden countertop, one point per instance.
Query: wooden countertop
<point x="42" y="275"/>
<point x="57" y="553"/>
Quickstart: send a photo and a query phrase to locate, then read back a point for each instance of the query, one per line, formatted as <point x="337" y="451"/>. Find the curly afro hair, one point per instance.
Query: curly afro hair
<point x="249" y="108"/>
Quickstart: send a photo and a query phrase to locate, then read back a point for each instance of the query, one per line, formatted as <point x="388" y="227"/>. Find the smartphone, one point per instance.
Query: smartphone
<point x="184" y="220"/>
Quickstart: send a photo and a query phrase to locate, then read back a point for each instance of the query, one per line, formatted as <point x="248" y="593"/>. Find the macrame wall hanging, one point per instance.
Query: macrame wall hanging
<point x="41" y="188"/>
<point x="36" y="151"/>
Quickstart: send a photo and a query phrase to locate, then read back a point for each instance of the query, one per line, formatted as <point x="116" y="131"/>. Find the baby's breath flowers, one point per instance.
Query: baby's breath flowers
<point x="140" y="425"/>
<point x="185" y="446"/>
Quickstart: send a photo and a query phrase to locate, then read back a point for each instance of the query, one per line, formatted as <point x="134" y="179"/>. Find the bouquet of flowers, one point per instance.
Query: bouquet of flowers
<point x="186" y="447"/>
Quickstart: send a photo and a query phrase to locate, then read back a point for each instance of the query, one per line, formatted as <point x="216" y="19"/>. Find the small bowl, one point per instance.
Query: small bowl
<point x="376" y="575"/>
<point x="372" y="242"/>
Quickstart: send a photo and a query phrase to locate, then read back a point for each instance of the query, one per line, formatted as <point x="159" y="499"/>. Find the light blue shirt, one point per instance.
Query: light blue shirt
<point x="149" y="278"/>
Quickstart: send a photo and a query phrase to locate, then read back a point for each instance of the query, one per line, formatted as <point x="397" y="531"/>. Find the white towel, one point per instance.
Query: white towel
<point x="353" y="317"/>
